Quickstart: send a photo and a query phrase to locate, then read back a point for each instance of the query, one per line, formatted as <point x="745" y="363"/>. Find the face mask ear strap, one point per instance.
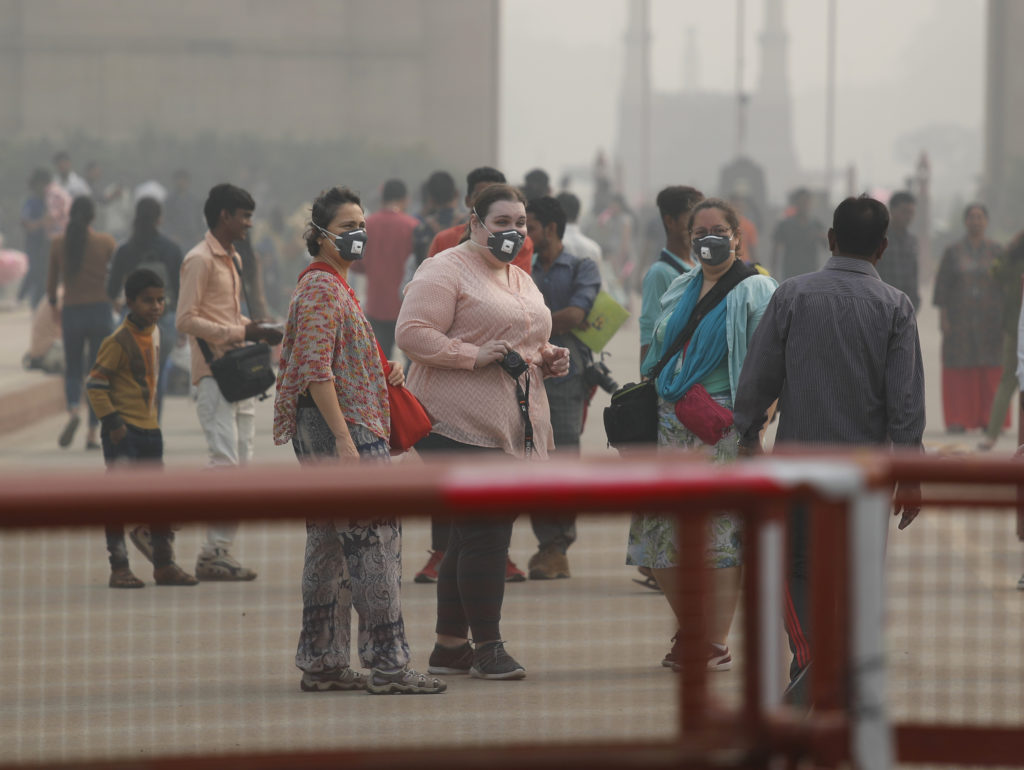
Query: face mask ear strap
<point x="480" y="219"/>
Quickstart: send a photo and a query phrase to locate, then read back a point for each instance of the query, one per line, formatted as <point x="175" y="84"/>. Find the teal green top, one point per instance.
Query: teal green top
<point x="744" y="306"/>
<point x="658" y="278"/>
<point x="717" y="380"/>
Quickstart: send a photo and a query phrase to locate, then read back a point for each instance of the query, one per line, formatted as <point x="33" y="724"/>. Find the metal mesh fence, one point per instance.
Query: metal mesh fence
<point x="955" y="619"/>
<point x="91" y="672"/>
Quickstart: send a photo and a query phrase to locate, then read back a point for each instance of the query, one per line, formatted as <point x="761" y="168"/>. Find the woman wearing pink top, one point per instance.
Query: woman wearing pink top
<point x="465" y="313"/>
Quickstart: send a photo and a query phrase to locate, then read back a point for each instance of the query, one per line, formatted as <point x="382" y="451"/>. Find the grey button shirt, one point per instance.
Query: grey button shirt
<point x="840" y="349"/>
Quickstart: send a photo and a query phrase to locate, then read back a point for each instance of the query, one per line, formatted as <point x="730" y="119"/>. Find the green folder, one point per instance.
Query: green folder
<point x="603" y="320"/>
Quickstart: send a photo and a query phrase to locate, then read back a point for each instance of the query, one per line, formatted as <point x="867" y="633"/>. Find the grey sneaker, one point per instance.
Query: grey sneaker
<point x="143" y="540"/>
<point x="490" y="661"/>
<point x="405" y="681"/>
<point x="221" y="565"/>
<point x="449" y="660"/>
<point x="340" y="679"/>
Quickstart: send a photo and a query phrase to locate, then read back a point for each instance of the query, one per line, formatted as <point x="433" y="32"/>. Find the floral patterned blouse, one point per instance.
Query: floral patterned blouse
<point x="327" y="337"/>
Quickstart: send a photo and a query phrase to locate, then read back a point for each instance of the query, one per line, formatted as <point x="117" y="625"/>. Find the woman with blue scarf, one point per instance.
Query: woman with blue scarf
<point x="705" y="372"/>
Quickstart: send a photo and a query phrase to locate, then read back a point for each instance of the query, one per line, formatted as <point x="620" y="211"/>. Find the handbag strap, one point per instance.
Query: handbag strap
<point x="203" y="346"/>
<point x="733" y="276"/>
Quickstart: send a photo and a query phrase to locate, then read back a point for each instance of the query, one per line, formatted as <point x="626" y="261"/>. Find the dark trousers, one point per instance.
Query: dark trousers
<point x="798" y="595"/>
<point x="441" y="526"/>
<point x="471" y="578"/>
<point x="384" y="331"/>
<point x="566" y="397"/>
<point x="33" y="286"/>
<point x="138" y="446"/>
<point x="82" y="325"/>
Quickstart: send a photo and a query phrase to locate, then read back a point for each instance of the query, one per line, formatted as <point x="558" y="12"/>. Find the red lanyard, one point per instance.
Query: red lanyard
<point x="324" y="267"/>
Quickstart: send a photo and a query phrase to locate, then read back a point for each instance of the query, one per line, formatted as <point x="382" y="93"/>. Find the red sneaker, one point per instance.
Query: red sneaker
<point x="429" y="573"/>
<point x="512" y="573"/>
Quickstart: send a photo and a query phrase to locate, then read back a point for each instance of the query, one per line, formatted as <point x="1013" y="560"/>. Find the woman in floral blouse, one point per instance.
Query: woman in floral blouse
<point x="332" y="404"/>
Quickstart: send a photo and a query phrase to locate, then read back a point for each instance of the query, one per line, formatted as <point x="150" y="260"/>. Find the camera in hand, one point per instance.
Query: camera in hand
<point x="598" y="374"/>
<point x="513" y="363"/>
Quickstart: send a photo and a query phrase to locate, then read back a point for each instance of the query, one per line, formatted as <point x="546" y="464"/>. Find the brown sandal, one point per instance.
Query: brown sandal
<point x="123" y="577"/>
<point x="173" y="575"/>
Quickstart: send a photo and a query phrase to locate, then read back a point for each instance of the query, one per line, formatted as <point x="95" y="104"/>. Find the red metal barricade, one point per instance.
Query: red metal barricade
<point x="839" y="491"/>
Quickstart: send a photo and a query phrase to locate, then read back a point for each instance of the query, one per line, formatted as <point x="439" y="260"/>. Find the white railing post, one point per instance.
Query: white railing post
<point x="871" y="739"/>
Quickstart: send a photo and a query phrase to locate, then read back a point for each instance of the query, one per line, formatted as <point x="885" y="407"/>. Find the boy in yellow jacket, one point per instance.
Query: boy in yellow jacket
<point x="122" y="389"/>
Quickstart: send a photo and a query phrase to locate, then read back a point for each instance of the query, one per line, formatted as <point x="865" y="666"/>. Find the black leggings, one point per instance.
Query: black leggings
<point x="471" y="578"/>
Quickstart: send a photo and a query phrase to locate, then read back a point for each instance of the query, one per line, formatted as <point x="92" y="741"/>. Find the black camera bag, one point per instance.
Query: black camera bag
<point x="632" y="416"/>
<point x="243" y="372"/>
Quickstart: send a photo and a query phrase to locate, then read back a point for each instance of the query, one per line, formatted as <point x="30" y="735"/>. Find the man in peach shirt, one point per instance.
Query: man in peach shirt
<point x="477" y="180"/>
<point x="209" y="308"/>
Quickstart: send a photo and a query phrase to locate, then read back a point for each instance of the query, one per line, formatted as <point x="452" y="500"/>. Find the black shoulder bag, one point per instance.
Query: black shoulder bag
<point x="632" y="416"/>
<point x="243" y="372"/>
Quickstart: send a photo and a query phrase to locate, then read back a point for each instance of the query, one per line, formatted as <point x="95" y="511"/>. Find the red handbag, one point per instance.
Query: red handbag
<point x="409" y="420"/>
<point x="703" y="416"/>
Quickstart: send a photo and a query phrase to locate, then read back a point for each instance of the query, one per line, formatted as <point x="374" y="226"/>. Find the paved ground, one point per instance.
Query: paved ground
<point x="91" y="672"/>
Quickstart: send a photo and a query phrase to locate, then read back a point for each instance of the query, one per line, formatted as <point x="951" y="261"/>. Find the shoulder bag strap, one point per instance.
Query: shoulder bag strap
<point x="738" y="272"/>
<point x="203" y="346"/>
<point x="663" y="257"/>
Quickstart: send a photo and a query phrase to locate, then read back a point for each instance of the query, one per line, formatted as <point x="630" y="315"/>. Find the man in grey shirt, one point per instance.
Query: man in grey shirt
<point x="839" y="349"/>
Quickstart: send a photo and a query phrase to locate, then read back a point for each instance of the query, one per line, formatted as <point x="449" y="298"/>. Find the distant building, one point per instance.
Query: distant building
<point x="1003" y="188"/>
<point x="398" y="72"/>
<point x="693" y="133"/>
<point x="770" y="126"/>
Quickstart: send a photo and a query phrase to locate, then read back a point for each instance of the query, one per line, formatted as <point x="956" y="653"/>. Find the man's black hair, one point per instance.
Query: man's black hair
<point x="570" y="205"/>
<point x="483" y="174"/>
<point x="859" y="225"/>
<point x="226" y="197"/>
<point x="547" y="210"/>
<point x="797" y="194"/>
<point x="536" y="183"/>
<point x="140" y="280"/>
<point x="40" y="177"/>
<point x="975" y="205"/>
<point x="898" y="199"/>
<point x="441" y="187"/>
<point x="678" y="199"/>
<point x="394" y="190"/>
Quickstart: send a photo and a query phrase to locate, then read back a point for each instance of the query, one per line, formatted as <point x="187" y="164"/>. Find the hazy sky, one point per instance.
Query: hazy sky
<point x="903" y="66"/>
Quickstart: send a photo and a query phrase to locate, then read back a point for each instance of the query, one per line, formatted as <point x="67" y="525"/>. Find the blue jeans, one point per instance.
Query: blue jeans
<point x="81" y="325"/>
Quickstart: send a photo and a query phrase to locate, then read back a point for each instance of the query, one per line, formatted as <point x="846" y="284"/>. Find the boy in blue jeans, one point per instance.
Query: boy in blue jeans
<point x="122" y="388"/>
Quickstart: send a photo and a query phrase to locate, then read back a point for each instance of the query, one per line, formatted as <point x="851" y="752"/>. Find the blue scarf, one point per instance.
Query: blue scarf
<point x="706" y="350"/>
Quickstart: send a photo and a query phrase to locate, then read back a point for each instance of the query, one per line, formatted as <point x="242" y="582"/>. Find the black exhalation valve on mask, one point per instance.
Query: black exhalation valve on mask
<point x="350" y="245"/>
<point x="504" y="245"/>
<point x="712" y="250"/>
